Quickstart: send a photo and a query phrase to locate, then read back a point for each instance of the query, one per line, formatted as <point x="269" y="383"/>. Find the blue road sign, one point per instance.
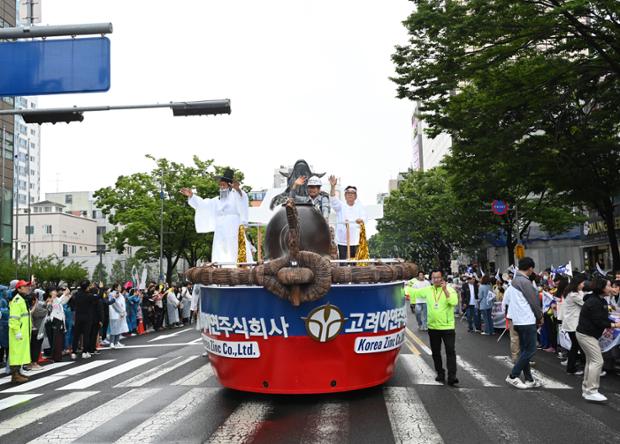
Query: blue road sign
<point x="499" y="207"/>
<point x="54" y="66"/>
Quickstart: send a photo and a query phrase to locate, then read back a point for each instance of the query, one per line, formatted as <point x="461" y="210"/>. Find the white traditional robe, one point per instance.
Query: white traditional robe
<point x="222" y="217"/>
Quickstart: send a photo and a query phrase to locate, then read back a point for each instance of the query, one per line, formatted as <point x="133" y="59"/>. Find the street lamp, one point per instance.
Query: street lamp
<point x="101" y="250"/>
<point x="76" y="113"/>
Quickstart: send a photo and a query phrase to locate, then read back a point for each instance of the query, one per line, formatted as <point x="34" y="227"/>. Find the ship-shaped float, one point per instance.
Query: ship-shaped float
<point x="299" y="322"/>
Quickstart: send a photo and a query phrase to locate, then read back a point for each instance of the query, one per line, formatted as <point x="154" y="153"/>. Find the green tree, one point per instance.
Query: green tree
<point x="426" y="222"/>
<point x="47" y="270"/>
<point x="100" y="274"/>
<point x="133" y="205"/>
<point x="523" y="88"/>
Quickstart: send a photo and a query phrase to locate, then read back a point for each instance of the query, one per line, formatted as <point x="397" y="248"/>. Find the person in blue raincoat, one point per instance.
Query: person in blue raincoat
<point x="4" y="325"/>
<point x="68" y="326"/>
<point x="133" y="301"/>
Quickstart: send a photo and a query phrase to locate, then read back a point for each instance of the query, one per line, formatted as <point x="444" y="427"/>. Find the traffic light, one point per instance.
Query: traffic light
<point x="520" y="251"/>
<point x="205" y="107"/>
<point x="52" y="116"/>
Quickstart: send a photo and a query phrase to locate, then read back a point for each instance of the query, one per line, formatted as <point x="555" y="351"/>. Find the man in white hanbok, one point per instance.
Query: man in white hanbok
<point x="222" y="215"/>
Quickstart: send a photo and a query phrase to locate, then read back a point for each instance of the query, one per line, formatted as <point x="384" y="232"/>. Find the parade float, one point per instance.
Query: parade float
<point x="300" y="322"/>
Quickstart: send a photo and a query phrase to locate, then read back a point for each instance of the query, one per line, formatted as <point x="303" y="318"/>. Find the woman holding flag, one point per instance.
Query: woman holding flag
<point x="572" y="308"/>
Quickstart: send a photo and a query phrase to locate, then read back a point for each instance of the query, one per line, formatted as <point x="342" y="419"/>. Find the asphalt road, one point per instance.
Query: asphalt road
<point x="159" y="389"/>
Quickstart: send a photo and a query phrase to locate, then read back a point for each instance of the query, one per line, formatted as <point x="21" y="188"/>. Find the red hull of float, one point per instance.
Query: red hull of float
<point x="300" y="365"/>
<point x="347" y="340"/>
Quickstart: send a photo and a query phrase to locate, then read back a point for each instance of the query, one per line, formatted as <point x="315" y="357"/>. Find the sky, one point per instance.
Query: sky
<point x="307" y="79"/>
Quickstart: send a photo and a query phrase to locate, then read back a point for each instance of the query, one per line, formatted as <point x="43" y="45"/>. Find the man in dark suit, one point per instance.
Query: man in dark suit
<point x="469" y="299"/>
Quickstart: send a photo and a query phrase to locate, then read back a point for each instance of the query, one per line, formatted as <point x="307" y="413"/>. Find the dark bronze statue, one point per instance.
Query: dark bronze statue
<point x="301" y="168"/>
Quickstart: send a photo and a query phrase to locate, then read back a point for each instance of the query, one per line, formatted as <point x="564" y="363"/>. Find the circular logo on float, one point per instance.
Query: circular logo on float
<point x="324" y="323"/>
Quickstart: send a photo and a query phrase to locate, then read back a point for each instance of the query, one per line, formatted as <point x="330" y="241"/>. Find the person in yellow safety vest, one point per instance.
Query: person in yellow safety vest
<point x="441" y="300"/>
<point x="19" y="332"/>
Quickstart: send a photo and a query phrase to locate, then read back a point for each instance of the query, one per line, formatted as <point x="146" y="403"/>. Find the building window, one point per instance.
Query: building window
<point x="48" y="209"/>
<point x="73" y="249"/>
<point x="101" y="231"/>
<point x="68" y="198"/>
<point x="47" y="229"/>
<point x="29" y="229"/>
<point x="65" y="250"/>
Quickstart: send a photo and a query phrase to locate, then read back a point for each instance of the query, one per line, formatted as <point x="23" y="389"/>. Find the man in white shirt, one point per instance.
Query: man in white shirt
<point x="420" y="303"/>
<point x="349" y="215"/>
<point x="525" y="313"/>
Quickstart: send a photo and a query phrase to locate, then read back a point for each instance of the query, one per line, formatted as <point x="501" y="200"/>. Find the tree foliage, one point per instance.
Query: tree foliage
<point x="133" y="204"/>
<point x="529" y="93"/>
<point x="425" y="221"/>
<point x="49" y="270"/>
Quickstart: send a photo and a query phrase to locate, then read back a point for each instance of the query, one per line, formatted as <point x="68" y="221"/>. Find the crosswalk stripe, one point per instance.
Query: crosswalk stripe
<point x="330" y="424"/>
<point x="88" y="422"/>
<point x="38" y="413"/>
<point x="475" y="373"/>
<point x="155" y="372"/>
<point x="45" y="368"/>
<point x="547" y="381"/>
<point x="16" y="399"/>
<point x="484" y="412"/>
<point x="171" y="335"/>
<point x="409" y="419"/>
<point x="40" y="382"/>
<point x="151" y="430"/>
<point x="463" y="364"/>
<point x="107" y="374"/>
<point x="197" y="377"/>
<point x="85" y="367"/>
<point x="419" y="370"/>
<point x="32" y="385"/>
<point x="242" y="424"/>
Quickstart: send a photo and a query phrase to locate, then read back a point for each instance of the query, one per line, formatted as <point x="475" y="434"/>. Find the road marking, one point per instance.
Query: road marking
<point x="38" y="413"/>
<point x="588" y="423"/>
<point x="547" y="381"/>
<point x="463" y="364"/>
<point x="45" y="368"/>
<point x="329" y="424"/>
<point x="32" y="385"/>
<point x="421" y="343"/>
<point x="173" y="344"/>
<point x="16" y="399"/>
<point x="107" y="374"/>
<point x="85" y="367"/>
<point x="151" y="430"/>
<point x="171" y="335"/>
<point x="197" y="377"/>
<point x="409" y="419"/>
<point x="484" y="412"/>
<point x="411" y="347"/>
<point x="418" y="369"/>
<point x="196" y="341"/>
<point x="80" y="426"/>
<point x="155" y="372"/>
<point x="40" y="382"/>
<point x="242" y="424"/>
<point x="475" y="373"/>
